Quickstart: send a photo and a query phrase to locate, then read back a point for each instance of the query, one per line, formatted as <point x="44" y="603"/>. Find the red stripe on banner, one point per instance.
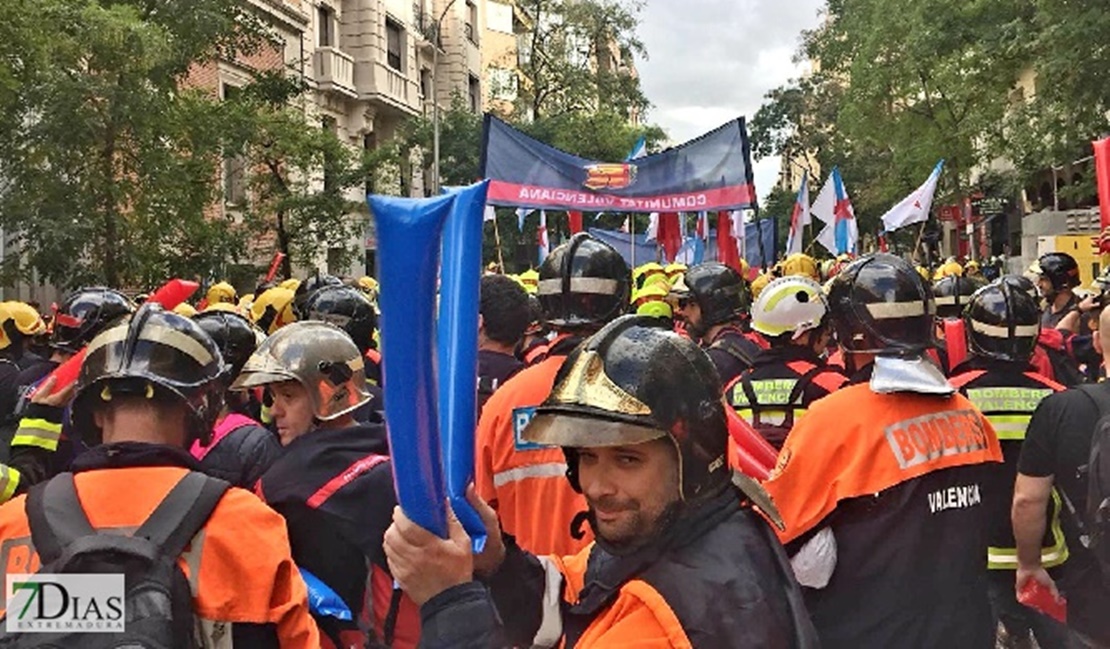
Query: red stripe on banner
<point x="335" y="484"/>
<point x="733" y="197"/>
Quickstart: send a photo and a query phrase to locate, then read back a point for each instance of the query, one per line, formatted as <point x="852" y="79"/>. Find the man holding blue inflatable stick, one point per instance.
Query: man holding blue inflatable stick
<point x="680" y="559"/>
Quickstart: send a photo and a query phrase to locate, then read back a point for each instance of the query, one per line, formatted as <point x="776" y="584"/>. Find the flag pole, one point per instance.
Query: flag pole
<point x="632" y="238"/>
<point x="497" y="243"/>
<point x="920" y="236"/>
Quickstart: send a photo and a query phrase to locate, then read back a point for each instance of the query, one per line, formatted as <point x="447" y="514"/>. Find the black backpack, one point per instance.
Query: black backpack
<point x="1096" y="520"/>
<point x="158" y="602"/>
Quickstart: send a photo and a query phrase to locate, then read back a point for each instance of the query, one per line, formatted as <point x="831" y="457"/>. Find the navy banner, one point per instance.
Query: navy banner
<point x="710" y="173"/>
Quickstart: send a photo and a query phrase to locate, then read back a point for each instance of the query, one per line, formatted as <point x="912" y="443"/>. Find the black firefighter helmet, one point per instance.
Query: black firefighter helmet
<point x="584" y="283"/>
<point x="881" y="305"/>
<point x="236" y="337"/>
<point x="951" y="293"/>
<point x="1002" y="323"/>
<point x="347" y="308"/>
<point x="1060" y="268"/>
<point x="83" y="314"/>
<point x="632" y="383"/>
<point x="721" y="293"/>
<point x="156" y="354"/>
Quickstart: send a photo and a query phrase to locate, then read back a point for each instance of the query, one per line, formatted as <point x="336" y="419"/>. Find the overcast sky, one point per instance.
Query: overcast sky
<point x="710" y="61"/>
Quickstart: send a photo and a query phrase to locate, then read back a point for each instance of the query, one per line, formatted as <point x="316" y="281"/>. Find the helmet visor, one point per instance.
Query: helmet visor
<point x="579" y="430"/>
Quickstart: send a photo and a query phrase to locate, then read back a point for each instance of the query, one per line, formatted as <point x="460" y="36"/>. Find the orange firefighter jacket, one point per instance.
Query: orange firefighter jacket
<point x="526" y="483"/>
<point x="239" y="565"/>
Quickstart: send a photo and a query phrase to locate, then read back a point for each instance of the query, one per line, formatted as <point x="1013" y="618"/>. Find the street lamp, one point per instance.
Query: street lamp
<point x="435" y="97"/>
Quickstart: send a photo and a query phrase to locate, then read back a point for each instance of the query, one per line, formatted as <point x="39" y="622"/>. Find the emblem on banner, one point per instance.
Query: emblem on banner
<point x="614" y="175"/>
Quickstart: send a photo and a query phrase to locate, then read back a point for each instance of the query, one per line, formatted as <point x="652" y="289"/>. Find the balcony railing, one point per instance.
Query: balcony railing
<point x="335" y="70"/>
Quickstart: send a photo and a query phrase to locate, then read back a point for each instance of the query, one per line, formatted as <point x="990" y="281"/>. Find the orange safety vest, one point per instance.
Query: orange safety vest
<point x="639" y="616"/>
<point x="239" y="565"/>
<point x="526" y="483"/>
<point x="855" y="442"/>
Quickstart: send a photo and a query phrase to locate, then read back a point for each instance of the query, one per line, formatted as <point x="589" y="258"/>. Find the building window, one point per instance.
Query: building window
<point x="394" y="44"/>
<point x="472" y="21"/>
<point x="325" y="25"/>
<point x="523" y="50"/>
<point x="426" y="84"/>
<point x="475" y="88"/>
<point x="335" y="261"/>
<point x="234" y="167"/>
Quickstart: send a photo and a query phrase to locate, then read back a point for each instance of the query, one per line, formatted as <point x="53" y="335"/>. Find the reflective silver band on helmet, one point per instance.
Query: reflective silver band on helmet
<point x="946" y="300"/>
<point x="996" y="331"/>
<point x="893" y="310"/>
<point x="154" y="333"/>
<point x="595" y="285"/>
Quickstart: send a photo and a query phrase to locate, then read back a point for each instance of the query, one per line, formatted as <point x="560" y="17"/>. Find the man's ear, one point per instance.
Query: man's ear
<point x="481" y="323"/>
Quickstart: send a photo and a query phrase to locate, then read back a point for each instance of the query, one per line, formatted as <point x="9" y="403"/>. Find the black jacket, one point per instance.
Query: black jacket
<point x="718" y="567"/>
<point x="242" y="456"/>
<point x="335" y="490"/>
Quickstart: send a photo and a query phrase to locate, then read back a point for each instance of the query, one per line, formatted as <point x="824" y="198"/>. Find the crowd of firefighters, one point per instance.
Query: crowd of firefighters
<point x="924" y="424"/>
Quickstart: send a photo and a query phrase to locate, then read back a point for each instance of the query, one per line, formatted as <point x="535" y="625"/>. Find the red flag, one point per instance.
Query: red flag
<point x="669" y="235"/>
<point x="1102" y="171"/>
<point x="574" y="220"/>
<point x="727" y="252"/>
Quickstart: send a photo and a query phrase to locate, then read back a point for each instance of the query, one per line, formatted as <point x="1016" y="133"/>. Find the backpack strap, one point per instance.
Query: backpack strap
<point x="960" y="380"/>
<point x="1099" y="395"/>
<point x="184" y="510"/>
<point x="56" y="517"/>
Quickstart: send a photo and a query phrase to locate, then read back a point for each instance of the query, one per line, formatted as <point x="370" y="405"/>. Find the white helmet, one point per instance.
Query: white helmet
<point x="789" y="304"/>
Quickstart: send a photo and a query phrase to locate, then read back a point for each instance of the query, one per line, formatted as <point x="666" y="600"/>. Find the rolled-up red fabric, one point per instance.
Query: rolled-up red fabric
<point x="751" y="453"/>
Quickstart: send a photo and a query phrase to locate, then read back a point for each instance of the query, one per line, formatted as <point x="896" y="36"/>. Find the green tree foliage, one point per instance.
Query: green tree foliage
<point x="576" y="53"/>
<point x="302" y="183"/>
<point x="108" y="163"/>
<point x="899" y="85"/>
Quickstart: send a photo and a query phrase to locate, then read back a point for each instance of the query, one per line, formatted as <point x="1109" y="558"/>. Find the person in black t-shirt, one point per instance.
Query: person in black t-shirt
<point x="503" y="315"/>
<point x="1057" y="443"/>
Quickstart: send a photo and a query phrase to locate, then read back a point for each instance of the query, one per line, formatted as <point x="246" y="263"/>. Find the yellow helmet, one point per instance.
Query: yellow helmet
<point x="290" y="284"/>
<point x="760" y="283"/>
<point x="641" y="273"/>
<point x="368" y="284"/>
<point x="948" y="269"/>
<point x="802" y="265"/>
<point x="651" y="300"/>
<point x="273" y="309"/>
<point x="185" y="309"/>
<point x="223" y="306"/>
<point x="530" y="280"/>
<point x="658" y="280"/>
<point x="221" y="292"/>
<point x="24" y="318"/>
<point x="674" y="271"/>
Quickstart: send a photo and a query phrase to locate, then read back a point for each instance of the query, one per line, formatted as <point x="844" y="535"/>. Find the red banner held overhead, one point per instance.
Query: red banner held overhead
<point x="1102" y="171"/>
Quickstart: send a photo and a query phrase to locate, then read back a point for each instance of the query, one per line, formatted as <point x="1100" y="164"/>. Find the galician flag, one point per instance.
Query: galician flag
<point x="800" y="218"/>
<point x="915" y="207"/>
<point x="833" y="206"/>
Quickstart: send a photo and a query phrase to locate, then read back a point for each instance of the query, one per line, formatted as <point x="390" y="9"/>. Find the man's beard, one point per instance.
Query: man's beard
<point x="643" y="535"/>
